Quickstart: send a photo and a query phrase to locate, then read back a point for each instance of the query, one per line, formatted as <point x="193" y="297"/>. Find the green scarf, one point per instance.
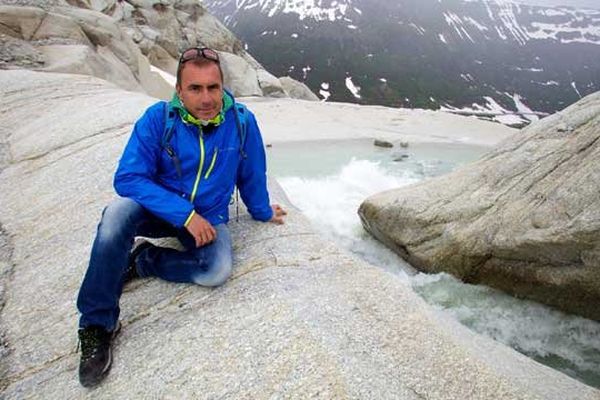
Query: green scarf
<point x="190" y="119"/>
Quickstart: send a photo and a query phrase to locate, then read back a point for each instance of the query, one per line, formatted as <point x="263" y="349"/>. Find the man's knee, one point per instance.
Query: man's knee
<point x="120" y="216"/>
<point x="218" y="273"/>
<point x="221" y="266"/>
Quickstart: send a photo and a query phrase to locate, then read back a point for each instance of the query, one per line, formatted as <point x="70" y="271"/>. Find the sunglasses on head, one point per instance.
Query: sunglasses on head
<point x="196" y="52"/>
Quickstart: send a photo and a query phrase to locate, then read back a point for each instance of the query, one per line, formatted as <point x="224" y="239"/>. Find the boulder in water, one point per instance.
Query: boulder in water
<point x="525" y="218"/>
<point x="383" y="143"/>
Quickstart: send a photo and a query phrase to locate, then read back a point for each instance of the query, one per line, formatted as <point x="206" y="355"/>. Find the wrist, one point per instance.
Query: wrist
<point x="189" y="218"/>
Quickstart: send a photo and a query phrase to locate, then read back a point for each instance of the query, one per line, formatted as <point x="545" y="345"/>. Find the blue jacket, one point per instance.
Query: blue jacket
<point x="211" y="165"/>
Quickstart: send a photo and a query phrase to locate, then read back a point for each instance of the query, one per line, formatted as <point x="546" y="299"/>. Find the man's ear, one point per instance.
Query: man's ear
<point x="178" y="90"/>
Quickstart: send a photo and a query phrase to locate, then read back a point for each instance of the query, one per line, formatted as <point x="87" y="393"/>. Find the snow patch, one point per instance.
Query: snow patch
<point x="455" y="22"/>
<point x="482" y="28"/>
<point x="574" y="86"/>
<point x="496" y="112"/>
<point x="527" y="112"/>
<point x="579" y="25"/>
<point x="305" y="71"/>
<point x="171" y="80"/>
<point x="529" y="69"/>
<point x="510" y="26"/>
<point x="355" y="90"/>
<point x="553" y="13"/>
<point x="420" y="30"/>
<point x="548" y="83"/>
<point x="306" y="9"/>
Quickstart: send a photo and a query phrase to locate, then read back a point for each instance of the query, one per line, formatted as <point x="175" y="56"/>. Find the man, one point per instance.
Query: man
<point x="180" y="185"/>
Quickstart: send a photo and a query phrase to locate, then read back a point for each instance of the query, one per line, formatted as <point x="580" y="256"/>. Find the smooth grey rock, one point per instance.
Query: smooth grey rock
<point x="251" y="60"/>
<point x="525" y="218"/>
<point x="81" y="41"/>
<point x="240" y="77"/>
<point x="297" y="90"/>
<point x="58" y="26"/>
<point x="182" y="24"/>
<point x="135" y="34"/>
<point x="122" y="11"/>
<point x="162" y="28"/>
<point x="104" y="31"/>
<point x="20" y="22"/>
<point x="159" y="29"/>
<point x="84" y="60"/>
<point x="269" y="84"/>
<point x="214" y="34"/>
<point x="160" y="58"/>
<point x="102" y="5"/>
<point x="300" y="318"/>
<point x="149" y="33"/>
<point x="153" y="84"/>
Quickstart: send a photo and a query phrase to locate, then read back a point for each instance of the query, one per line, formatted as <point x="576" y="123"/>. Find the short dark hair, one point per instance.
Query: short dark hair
<point x="199" y="62"/>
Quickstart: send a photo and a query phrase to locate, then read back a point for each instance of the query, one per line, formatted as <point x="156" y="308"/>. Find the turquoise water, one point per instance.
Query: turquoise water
<point x="318" y="159"/>
<point x="328" y="181"/>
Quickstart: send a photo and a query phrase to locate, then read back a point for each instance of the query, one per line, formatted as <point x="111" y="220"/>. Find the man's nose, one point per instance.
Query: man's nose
<point x="205" y="96"/>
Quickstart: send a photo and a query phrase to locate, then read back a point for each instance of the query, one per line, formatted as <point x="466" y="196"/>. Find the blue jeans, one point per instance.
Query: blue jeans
<point x="124" y="219"/>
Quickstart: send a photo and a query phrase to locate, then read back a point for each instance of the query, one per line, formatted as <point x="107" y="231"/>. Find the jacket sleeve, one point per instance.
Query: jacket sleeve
<point x="252" y="173"/>
<point x="136" y="174"/>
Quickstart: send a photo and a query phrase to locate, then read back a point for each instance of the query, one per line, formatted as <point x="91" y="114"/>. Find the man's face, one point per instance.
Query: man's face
<point x="201" y="90"/>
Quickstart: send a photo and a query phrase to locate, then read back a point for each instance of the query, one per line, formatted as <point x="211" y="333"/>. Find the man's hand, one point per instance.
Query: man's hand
<point x="202" y="231"/>
<point x="278" y="214"/>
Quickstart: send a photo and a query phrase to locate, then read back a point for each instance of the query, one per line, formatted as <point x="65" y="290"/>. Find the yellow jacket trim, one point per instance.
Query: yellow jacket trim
<point x="199" y="174"/>
<point x="189" y="218"/>
<point x="212" y="164"/>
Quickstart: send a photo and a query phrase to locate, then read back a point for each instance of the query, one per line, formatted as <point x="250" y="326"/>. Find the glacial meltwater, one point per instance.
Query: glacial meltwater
<point x="328" y="180"/>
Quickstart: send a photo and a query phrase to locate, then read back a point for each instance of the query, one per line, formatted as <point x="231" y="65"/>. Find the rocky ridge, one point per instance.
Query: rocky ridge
<point x="124" y="41"/>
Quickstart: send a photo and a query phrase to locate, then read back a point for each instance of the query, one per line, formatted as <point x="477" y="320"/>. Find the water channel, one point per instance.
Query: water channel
<point x="328" y="180"/>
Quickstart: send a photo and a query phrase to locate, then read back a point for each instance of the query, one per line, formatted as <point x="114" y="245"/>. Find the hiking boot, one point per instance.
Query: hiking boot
<point x="131" y="272"/>
<point x="96" y="353"/>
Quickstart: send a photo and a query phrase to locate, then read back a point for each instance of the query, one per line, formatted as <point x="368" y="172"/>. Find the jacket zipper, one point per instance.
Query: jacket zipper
<point x="212" y="163"/>
<point x="201" y="165"/>
<point x="199" y="174"/>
